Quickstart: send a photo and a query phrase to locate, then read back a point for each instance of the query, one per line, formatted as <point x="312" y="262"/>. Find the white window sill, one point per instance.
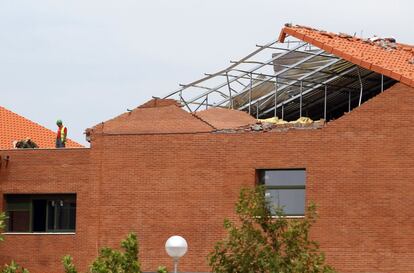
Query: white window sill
<point x="291" y="216"/>
<point x="38" y="233"/>
<point x="285" y="216"/>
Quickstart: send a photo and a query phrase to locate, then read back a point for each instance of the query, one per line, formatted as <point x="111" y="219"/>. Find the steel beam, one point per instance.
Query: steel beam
<point x="313" y="88"/>
<point x="230" y="68"/>
<point x="295" y="81"/>
<point x="221" y="71"/>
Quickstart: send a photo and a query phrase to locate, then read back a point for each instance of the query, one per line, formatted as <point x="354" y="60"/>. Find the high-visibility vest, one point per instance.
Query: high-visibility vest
<point x="62" y="133"/>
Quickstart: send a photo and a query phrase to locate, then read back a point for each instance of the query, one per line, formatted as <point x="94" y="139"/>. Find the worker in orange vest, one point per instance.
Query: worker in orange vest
<point x="62" y="132"/>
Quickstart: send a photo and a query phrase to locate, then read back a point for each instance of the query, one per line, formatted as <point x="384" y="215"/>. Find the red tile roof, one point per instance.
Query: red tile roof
<point x="393" y="60"/>
<point x="15" y="127"/>
<point x="155" y="117"/>
<point x="221" y="118"/>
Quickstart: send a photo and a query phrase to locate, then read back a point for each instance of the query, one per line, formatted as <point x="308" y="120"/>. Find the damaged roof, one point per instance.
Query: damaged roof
<point x="305" y="72"/>
<point x="15" y="127"/>
<point x="156" y="116"/>
<point x="165" y="116"/>
<point x="385" y="57"/>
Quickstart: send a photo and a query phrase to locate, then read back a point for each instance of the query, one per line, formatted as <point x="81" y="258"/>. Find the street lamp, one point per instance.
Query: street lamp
<point x="176" y="247"/>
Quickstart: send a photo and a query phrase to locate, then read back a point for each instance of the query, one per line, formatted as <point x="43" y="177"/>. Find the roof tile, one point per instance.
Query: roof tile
<point x="396" y="75"/>
<point x="15" y="127"/>
<point x="327" y="48"/>
<point x="392" y="59"/>
<point x="405" y="80"/>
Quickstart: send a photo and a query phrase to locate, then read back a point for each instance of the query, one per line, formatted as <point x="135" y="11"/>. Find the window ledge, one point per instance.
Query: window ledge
<point x="285" y="216"/>
<point x="39" y="233"/>
<point x="289" y="216"/>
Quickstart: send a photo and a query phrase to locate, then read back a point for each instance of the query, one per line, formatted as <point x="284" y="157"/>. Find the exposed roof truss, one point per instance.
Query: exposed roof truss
<point x="288" y="80"/>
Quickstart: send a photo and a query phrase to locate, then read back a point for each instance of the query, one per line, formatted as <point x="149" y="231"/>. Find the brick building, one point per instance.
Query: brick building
<point x="159" y="170"/>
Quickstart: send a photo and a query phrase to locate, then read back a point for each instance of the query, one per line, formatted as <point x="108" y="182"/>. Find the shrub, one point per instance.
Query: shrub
<point x="110" y="260"/>
<point x="162" y="269"/>
<point x="14" y="268"/>
<point x="262" y="241"/>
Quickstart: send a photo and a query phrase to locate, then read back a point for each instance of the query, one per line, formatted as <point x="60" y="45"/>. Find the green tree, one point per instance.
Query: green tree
<point x="68" y="264"/>
<point x="112" y="261"/>
<point x="265" y="240"/>
<point x="14" y="268"/>
<point x="162" y="269"/>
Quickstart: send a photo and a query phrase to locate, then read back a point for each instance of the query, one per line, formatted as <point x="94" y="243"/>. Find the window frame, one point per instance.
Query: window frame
<point x="284" y="187"/>
<point x="66" y="197"/>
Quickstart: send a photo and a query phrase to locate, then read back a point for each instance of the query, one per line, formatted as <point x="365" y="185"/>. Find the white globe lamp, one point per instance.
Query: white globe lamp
<point x="176" y="247"/>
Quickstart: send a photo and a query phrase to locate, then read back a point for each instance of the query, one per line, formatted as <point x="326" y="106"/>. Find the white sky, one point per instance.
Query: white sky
<point x="85" y="61"/>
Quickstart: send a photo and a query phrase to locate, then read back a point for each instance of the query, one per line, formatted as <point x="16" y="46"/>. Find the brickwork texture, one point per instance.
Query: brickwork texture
<point x="359" y="172"/>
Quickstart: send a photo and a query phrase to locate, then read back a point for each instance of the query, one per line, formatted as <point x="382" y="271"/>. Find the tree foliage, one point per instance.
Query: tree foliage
<point x="14" y="268"/>
<point x="162" y="269"/>
<point x="2" y="224"/>
<point x="112" y="261"/>
<point x="267" y="242"/>
<point x="68" y="264"/>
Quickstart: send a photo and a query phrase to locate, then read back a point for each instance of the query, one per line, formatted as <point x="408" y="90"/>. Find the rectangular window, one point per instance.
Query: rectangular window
<point x="40" y="212"/>
<point x="285" y="189"/>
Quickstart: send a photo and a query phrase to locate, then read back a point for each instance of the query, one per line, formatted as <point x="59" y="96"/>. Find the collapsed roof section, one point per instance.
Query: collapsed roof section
<point x="306" y="72"/>
<point x="165" y="116"/>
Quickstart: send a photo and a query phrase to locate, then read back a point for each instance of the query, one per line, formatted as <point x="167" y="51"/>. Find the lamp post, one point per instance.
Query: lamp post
<point x="176" y="247"/>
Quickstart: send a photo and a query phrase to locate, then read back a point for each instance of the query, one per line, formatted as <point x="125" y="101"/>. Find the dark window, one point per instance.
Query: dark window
<point x="285" y="189"/>
<point x="41" y="212"/>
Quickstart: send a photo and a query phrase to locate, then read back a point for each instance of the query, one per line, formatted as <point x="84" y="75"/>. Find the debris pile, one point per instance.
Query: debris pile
<point x="277" y="125"/>
<point x="386" y="43"/>
<point x="389" y="43"/>
<point x="25" y="144"/>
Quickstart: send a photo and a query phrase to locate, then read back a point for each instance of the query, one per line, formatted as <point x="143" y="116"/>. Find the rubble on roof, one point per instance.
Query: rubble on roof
<point x="274" y="120"/>
<point x="385" y="43"/>
<point x="14" y="127"/>
<point x="25" y="144"/>
<point x="277" y="125"/>
<point x="381" y="55"/>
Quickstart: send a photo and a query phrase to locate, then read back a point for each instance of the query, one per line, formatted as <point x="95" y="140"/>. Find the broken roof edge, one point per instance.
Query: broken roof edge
<point x="165" y="106"/>
<point x="152" y="103"/>
<point x="158" y="102"/>
<point x="292" y="30"/>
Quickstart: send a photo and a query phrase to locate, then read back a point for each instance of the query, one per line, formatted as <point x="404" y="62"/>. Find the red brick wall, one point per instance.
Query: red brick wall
<point x="50" y="171"/>
<point x="359" y="172"/>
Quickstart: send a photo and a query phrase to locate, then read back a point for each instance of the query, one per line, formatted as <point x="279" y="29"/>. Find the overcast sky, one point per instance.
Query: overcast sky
<point x="85" y="61"/>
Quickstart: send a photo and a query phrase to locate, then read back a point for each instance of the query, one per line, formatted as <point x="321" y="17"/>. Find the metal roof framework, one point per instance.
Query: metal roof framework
<point x="287" y="80"/>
